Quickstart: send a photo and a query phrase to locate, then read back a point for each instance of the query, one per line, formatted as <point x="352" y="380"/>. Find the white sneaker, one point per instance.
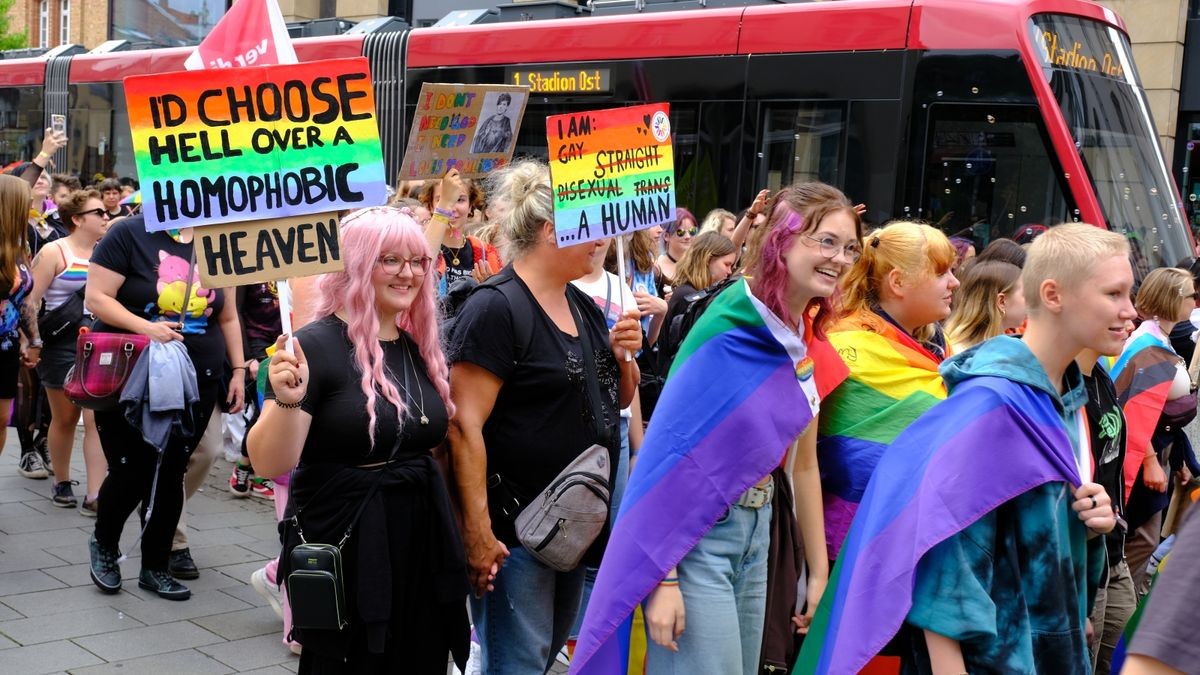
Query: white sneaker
<point x="31" y="466"/>
<point x="268" y="590"/>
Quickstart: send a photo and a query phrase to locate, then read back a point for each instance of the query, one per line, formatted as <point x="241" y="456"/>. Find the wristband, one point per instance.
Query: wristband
<point x="42" y="154"/>
<point x="239" y="368"/>
<point x="291" y="406"/>
<point x="448" y="213"/>
<point x="669" y="581"/>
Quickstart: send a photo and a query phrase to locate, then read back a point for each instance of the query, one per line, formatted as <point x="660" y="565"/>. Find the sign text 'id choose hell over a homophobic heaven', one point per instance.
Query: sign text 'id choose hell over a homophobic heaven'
<point x="255" y="143"/>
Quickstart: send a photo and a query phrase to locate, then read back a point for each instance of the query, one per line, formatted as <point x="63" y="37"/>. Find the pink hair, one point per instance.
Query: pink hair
<point x="365" y="235"/>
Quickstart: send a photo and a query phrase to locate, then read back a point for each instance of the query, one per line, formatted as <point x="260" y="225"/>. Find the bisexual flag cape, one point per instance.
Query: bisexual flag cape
<point x="990" y="441"/>
<point x="892" y="381"/>
<point x="1143" y="375"/>
<point x="742" y="388"/>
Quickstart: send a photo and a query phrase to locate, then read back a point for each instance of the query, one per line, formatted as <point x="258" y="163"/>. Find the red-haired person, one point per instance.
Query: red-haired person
<point x="361" y="420"/>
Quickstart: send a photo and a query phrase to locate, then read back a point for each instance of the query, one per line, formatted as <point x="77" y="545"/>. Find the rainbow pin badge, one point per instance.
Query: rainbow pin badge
<point x="804" y="369"/>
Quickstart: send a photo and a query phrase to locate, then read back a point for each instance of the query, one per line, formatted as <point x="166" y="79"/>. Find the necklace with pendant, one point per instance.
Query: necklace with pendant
<point x="408" y="392"/>
<point x="453" y="252"/>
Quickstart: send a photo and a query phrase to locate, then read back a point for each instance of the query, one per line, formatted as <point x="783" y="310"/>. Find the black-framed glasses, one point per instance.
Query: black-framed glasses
<point x="686" y="231"/>
<point x="419" y="265"/>
<point x="102" y="212"/>
<point x="830" y="247"/>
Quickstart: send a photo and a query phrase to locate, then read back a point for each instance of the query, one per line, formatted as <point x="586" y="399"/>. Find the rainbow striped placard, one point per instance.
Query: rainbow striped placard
<point x="220" y="146"/>
<point x="613" y="171"/>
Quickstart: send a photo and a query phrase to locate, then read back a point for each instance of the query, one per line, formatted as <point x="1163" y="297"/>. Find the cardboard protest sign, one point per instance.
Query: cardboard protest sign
<point x="612" y="171"/>
<point x="218" y="146"/>
<point x="471" y="127"/>
<point x="268" y="250"/>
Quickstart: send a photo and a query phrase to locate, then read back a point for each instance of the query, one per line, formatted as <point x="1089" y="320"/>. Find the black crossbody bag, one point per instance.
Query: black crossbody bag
<point x="316" y="585"/>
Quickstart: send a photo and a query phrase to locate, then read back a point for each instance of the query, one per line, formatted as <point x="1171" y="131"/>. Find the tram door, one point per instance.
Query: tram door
<point x="801" y="141"/>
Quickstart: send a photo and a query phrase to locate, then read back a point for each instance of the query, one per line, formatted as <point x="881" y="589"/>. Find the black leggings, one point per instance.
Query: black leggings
<point x="130" y="479"/>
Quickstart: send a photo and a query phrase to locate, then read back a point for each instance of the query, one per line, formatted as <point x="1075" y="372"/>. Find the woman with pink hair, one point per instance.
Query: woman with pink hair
<point x="361" y="421"/>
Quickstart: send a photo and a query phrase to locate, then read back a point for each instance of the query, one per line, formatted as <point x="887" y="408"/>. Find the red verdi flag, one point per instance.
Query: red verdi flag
<point x="252" y="33"/>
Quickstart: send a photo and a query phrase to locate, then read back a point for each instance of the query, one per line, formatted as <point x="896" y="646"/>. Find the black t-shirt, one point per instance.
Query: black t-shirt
<point x="259" y="311"/>
<point x="542" y="418"/>
<point x="466" y="262"/>
<point x="155" y="267"/>
<point x="1181" y="340"/>
<point x="340" y="424"/>
<point x="1106" y="427"/>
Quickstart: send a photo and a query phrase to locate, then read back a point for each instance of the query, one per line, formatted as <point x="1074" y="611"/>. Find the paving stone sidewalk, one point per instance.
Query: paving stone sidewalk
<point x="53" y="620"/>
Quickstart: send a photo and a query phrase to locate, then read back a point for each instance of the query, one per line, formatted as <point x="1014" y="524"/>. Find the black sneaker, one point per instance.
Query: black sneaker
<point x="31" y="466"/>
<point x="63" y="496"/>
<point x="105" y="571"/>
<point x="181" y="565"/>
<point x="161" y="582"/>
<point x="43" y="451"/>
<point x="89" y="507"/>
<point x="239" y="482"/>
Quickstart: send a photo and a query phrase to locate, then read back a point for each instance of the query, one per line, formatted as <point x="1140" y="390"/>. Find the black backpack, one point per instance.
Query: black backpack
<point x="504" y="282"/>
<point x="658" y="361"/>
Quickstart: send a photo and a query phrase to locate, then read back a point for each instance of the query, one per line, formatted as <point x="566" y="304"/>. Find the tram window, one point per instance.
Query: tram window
<point x="98" y="124"/>
<point x="801" y="141"/>
<point x="21" y="123"/>
<point x="988" y="172"/>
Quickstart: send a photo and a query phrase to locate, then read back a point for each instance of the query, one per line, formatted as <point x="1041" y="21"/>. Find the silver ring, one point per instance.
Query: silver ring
<point x="1094" y="502"/>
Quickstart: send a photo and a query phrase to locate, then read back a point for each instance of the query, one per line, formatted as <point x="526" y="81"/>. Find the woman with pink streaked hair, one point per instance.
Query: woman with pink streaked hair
<point x="361" y="420"/>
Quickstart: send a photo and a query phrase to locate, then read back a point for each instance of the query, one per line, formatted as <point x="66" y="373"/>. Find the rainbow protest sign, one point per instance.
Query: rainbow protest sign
<point x="220" y="146"/>
<point x="613" y="171"/>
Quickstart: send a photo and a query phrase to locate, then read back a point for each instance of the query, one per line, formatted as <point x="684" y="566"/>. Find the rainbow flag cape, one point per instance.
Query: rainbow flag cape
<point x="923" y="492"/>
<point x="1142" y="375"/>
<point x="892" y="381"/>
<point x="741" y="390"/>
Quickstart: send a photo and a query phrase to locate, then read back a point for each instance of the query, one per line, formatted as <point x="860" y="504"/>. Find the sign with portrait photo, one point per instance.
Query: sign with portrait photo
<point x="472" y="128"/>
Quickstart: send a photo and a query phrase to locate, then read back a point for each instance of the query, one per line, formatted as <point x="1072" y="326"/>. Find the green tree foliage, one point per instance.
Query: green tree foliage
<point x="9" y="39"/>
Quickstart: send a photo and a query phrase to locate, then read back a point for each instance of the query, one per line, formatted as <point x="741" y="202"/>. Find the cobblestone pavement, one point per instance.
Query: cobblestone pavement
<point x="53" y="620"/>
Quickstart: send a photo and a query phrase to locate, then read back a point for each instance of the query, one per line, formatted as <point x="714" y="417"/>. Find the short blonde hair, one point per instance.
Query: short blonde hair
<point x="712" y="222"/>
<point x="1161" y="292"/>
<point x="1067" y="253"/>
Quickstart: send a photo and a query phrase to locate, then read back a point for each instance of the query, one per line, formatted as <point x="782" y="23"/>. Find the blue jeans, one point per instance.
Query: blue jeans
<point x="618" y="492"/>
<point x="523" y="624"/>
<point x="724" y="584"/>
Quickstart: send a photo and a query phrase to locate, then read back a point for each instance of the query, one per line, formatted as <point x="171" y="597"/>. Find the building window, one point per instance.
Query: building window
<point x="64" y="22"/>
<point x="44" y="24"/>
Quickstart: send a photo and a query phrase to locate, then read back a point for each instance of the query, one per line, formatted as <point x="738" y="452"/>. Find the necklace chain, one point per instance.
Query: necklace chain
<point x="407" y="391"/>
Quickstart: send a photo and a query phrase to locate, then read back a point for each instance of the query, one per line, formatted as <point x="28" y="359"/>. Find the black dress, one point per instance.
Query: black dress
<point x="406" y="579"/>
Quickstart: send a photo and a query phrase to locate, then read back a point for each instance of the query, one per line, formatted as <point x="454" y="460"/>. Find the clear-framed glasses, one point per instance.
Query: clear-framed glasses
<point x="419" y="265"/>
<point x="830" y="247"/>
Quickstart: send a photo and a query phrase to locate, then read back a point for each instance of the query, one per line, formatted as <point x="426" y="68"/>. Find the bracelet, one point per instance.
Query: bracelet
<point x="42" y="154"/>
<point x="449" y="213"/>
<point x="291" y="406"/>
<point x="669" y="581"/>
<point x="440" y="216"/>
<point x="239" y="368"/>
